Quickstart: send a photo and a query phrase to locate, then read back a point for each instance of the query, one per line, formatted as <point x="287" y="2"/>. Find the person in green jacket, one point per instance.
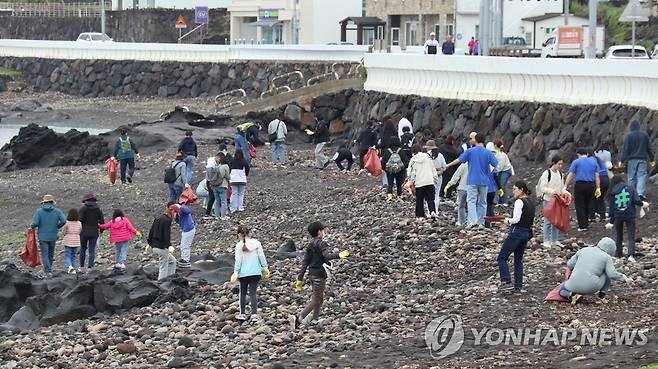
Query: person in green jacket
<point x="592" y="271"/>
<point x="47" y="220"/>
<point x="126" y="152"/>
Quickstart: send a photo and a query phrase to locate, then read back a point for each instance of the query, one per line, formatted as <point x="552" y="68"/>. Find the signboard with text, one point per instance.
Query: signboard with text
<point x="201" y="15"/>
<point x="268" y="14"/>
<point x="570" y="37"/>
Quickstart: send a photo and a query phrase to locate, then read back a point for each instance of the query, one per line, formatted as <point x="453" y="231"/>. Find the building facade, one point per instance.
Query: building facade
<point x="409" y="22"/>
<point x="168" y="4"/>
<point x="289" y="21"/>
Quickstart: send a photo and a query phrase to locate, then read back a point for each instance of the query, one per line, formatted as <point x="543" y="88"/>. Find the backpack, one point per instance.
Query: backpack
<point x="394" y="165"/>
<point x="407" y="139"/>
<point x="170" y="174"/>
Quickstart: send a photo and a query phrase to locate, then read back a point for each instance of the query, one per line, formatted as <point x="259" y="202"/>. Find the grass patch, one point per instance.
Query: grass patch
<point x="650" y="366"/>
<point x="10" y="72"/>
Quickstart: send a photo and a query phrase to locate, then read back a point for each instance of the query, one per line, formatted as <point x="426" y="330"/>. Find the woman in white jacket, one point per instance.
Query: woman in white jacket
<point x="250" y="264"/>
<point x="422" y="174"/>
<point x="551" y="182"/>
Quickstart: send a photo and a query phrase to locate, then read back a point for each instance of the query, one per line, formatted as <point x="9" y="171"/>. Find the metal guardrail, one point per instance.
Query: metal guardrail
<point x="80" y="10"/>
<point x="227" y="99"/>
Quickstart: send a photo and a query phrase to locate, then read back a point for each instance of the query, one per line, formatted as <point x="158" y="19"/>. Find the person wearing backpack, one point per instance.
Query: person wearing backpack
<point x="551" y="182"/>
<point x="175" y="177"/>
<point x="394" y="163"/>
<point x="407" y="140"/>
<point x="623" y="200"/>
<point x="278" y="131"/>
<point x="219" y="178"/>
<point x="125" y="151"/>
<point x="188" y="147"/>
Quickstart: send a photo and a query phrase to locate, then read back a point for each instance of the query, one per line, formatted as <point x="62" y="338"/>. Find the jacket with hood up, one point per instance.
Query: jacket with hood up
<point x="48" y="219"/>
<point x="590" y="267"/>
<point x="622" y="200"/>
<point x="637" y="144"/>
<point x="422" y="171"/>
<point x="250" y="262"/>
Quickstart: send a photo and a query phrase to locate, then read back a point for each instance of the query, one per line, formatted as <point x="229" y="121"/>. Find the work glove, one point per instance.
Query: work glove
<point x="187" y="185"/>
<point x="234" y="277"/>
<point x="138" y="234"/>
<point x="445" y="190"/>
<point x="137" y="157"/>
<point x="567" y="193"/>
<point x="500" y="192"/>
<point x="597" y="193"/>
<point x="344" y="254"/>
<point x="609" y="226"/>
<point x="172" y="249"/>
<point x="627" y="279"/>
<point x="298" y="285"/>
<point x="645" y="204"/>
<point x="652" y="164"/>
<point x="266" y="273"/>
<point x="147" y="249"/>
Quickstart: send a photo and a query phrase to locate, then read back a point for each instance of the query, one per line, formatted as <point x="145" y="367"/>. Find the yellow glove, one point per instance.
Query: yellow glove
<point x="597" y="193"/>
<point x="627" y="280"/>
<point x="172" y="249"/>
<point x="344" y="254"/>
<point x="609" y="226"/>
<point x="445" y="191"/>
<point x="266" y="273"/>
<point x="137" y="157"/>
<point x="138" y="234"/>
<point x="234" y="277"/>
<point x="298" y="285"/>
<point x="652" y="164"/>
<point x="500" y="192"/>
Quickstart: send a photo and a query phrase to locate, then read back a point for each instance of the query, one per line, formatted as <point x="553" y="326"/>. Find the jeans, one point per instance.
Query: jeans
<point x="317" y="298"/>
<point x="424" y="194"/>
<point x="461" y="207"/>
<point x="278" y="153"/>
<point x="220" y="205"/>
<point x="186" y="239"/>
<point x="503" y="177"/>
<point x="476" y="197"/>
<point x="550" y="231"/>
<point x="189" y="165"/>
<point x="237" y="196"/>
<point x="398" y="179"/>
<point x="122" y="252"/>
<point x="166" y="262"/>
<point x="637" y="175"/>
<point x="69" y="256"/>
<point x="47" y="249"/>
<point x="320" y="158"/>
<point x="250" y="284"/>
<point x="174" y="192"/>
<point x="516" y="242"/>
<point x="630" y="229"/>
<point x="583" y="197"/>
<point x="88" y="243"/>
<point x="123" y="163"/>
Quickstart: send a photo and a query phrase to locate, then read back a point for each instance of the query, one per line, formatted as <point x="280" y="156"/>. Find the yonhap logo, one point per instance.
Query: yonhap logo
<point x="444" y="336"/>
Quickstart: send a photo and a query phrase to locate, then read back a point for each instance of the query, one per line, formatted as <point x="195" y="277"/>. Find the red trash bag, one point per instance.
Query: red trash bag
<point x="554" y="295"/>
<point x="373" y="163"/>
<point x="557" y="212"/>
<point x="252" y="150"/>
<point x="30" y="253"/>
<point x="187" y="197"/>
<point x="111" y="169"/>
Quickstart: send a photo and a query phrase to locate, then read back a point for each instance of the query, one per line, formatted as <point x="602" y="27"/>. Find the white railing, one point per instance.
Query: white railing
<point x="565" y="81"/>
<point x="55" y="9"/>
<point x="178" y="52"/>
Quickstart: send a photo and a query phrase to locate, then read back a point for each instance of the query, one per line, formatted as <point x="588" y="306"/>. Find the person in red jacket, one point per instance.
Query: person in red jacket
<point x="121" y="232"/>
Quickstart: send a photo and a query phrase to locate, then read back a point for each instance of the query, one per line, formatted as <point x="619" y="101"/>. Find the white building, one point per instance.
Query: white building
<point x="289" y="21"/>
<point x="169" y="4"/>
<point x="540" y="27"/>
<point x="468" y="17"/>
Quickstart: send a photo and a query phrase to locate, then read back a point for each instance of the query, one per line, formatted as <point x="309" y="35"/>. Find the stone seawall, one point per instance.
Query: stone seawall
<point x="93" y="78"/>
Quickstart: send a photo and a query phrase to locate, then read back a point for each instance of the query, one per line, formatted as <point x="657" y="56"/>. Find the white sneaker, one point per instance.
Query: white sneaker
<point x="122" y="266"/>
<point x="80" y="270"/>
<point x="361" y="171"/>
<point x="558" y="243"/>
<point x="71" y="270"/>
<point x="241" y="317"/>
<point x="254" y="318"/>
<point x="631" y="259"/>
<point x="241" y="209"/>
<point x="547" y="244"/>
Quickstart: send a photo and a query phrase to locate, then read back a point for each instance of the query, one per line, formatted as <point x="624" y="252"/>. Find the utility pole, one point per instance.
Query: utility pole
<point x="591" y="50"/>
<point x="485" y="26"/>
<point x="567" y="9"/>
<point x="102" y="16"/>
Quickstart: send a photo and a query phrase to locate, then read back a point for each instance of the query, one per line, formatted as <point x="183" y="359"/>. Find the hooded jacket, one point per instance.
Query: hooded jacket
<point x="160" y="232"/>
<point x="251" y="262"/>
<point x="121" y="230"/>
<point x="637" y="144"/>
<point x="125" y="149"/>
<point x="90" y="216"/>
<point x="622" y="200"/>
<point x="322" y="133"/>
<point x="188" y="146"/>
<point x="48" y="219"/>
<point x="590" y="266"/>
<point x="317" y="253"/>
<point x="367" y="138"/>
<point x="422" y="171"/>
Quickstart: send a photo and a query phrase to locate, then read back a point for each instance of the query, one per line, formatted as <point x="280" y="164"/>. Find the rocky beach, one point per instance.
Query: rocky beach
<point x="401" y="274"/>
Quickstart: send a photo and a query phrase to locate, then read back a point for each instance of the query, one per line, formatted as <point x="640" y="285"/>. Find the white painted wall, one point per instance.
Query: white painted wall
<point x="319" y="19"/>
<point x="173" y="4"/>
<point x="540" y="36"/>
<point x="466" y="25"/>
<point x="565" y="81"/>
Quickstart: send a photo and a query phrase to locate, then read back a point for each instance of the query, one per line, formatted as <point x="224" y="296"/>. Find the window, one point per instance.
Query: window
<point x="450" y="29"/>
<point x="380" y="32"/>
<point x="395" y="36"/>
<point x="528" y="38"/>
<point x="437" y="31"/>
<point x="411" y="33"/>
<point x="368" y="36"/>
<point x="626" y="53"/>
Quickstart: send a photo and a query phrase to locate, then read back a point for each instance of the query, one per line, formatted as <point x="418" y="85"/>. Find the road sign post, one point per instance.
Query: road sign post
<point x="180" y="25"/>
<point x="634" y="12"/>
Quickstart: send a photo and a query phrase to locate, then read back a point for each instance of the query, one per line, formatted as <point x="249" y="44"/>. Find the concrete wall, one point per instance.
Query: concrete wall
<point x="319" y="19"/>
<point x="565" y="81"/>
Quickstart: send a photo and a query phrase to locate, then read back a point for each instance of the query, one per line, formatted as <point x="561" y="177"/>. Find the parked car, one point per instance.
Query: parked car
<point x="515" y="46"/>
<point x="626" y="52"/>
<point x="94" y="37"/>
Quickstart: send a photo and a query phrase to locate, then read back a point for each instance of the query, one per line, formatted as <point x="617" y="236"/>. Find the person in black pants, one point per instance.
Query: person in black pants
<point x="450" y="152"/>
<point x="397" y="171"/>
<point x="343" y="154"/>
<point x="587" y="188"/>
<point x="423" y="175"/>
<point x="366" y="140"/>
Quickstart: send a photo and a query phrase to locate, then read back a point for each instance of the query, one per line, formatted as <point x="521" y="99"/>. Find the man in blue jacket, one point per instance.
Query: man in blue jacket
<point x="188" y="147"/>
<point x="637" y="151"/>
<point x="47" y="220"/>
<point x="125" y="151"/>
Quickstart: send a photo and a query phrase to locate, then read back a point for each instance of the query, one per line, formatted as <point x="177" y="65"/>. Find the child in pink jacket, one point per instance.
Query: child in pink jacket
<point x="121" y="231"/>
